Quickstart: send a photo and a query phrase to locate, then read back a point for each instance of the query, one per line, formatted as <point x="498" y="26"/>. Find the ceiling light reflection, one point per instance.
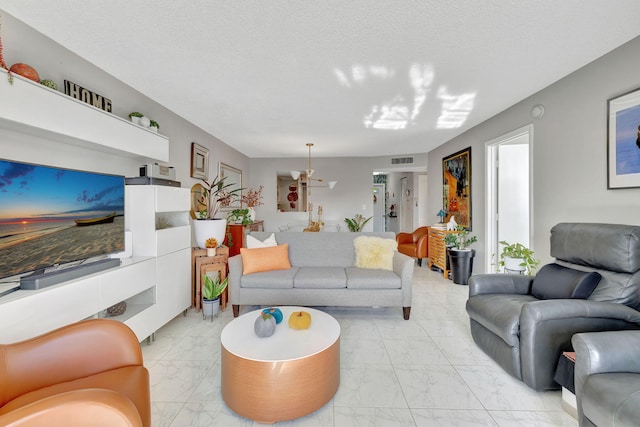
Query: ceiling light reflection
<point x="455" y="108"/>
<point x="402" y="111"/>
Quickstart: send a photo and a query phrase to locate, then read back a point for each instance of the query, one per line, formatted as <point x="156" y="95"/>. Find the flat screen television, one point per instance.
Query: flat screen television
<point x="53" y="218"/>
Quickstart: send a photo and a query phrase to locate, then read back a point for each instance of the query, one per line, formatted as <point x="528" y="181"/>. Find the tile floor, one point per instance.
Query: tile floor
<point x="423" y="372"/>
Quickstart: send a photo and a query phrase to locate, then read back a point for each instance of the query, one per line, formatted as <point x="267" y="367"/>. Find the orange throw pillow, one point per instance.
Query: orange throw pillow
<point x="271" y="258"/>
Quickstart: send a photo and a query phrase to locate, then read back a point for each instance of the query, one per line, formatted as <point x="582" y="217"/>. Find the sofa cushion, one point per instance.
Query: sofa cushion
<point x="320" y="278"/>
<point x="612" y="399"/>
<point x="265" y="259"/>
<point x="374" y="252"/>
<point x="363" y="278"/>
<point x="253" y="242"/>
<point x="499" y="313"/>
<point x="554" y="281"/>
<point x="278" y="279"/>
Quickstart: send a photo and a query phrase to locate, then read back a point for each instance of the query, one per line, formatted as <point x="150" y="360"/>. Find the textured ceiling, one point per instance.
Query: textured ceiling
<point x="354" y="77"/>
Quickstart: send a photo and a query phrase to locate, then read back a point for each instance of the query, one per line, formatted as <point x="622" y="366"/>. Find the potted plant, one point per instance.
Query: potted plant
<point x="135" y="117"/>
<point x="517" y="258"/>
<point x="460" y="255"/>
<point x="240" y="217"/>
<point x="211" y="244"/>
<point x="212" y="195"/>
<point x="252" y="199"/>
<point x="154" y="126"/>
<point x="357" y="223"/>
<point x="211" y="291"/>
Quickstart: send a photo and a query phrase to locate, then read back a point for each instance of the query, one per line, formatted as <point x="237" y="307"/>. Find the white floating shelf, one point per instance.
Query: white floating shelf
<point x="27" y="106"/>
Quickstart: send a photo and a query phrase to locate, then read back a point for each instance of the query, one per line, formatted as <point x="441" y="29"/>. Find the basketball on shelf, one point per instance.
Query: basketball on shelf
<point x="25" y="71"/>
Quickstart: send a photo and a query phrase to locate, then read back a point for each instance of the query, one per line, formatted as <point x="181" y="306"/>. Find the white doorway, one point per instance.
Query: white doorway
<point x="509" y="190"/>
<point x="379" y="208"/>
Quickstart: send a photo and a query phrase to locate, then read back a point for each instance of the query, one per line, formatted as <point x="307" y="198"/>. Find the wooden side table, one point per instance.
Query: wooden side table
<point x="438" y="250"/>
<point x="200" y="259"/>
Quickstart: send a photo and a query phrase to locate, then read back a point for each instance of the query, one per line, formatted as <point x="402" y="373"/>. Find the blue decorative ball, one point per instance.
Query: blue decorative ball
<point x="275" y="312"/>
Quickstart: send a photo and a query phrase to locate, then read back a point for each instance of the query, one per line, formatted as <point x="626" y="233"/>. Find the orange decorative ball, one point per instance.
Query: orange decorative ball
<point x="25" y="71"/>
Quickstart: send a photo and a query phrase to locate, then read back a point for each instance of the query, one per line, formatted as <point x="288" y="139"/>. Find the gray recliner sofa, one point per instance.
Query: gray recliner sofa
<point x="525" y="323"/>
<point x="607" y="378"/>
<point x="322" y="273"/>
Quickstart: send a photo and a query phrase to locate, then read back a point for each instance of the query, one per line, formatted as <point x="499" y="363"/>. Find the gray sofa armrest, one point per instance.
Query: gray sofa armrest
<point x="601" y="352"/>
<point x="500" y="284"/>
<point x="547" y="326"/>
<point x="235" y="274"/>
<point x="403" y="267"/>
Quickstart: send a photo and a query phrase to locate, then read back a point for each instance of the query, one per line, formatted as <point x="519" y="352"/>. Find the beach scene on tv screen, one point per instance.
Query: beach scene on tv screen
<point x="52" y="216"/>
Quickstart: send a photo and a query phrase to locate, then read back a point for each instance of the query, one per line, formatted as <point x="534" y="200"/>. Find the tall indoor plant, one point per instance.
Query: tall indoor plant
<point x="211" y="196"/>
<point x="460" y="255"/>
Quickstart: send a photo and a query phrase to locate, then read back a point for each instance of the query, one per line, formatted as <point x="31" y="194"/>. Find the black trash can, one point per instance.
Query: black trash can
<point x="461" y="265"/>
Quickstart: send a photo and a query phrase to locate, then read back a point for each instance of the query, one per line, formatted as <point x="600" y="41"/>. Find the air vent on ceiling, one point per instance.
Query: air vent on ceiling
<point x="401" y="160"/>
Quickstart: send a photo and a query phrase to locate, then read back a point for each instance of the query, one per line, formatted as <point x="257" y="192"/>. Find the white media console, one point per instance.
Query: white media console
<point x="156" y="281"/>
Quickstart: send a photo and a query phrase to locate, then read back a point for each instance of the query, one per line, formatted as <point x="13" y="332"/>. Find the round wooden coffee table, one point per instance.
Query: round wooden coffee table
<point x="288" y="375"/>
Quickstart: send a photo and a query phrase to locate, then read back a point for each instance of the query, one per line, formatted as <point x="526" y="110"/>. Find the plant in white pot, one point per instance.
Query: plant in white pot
<point x="211" y="291"/>
<point x="212" y="195"/>
<point x="252" y="199"/>
<point x="460" y="255"/>
<point x="517" y="258"/>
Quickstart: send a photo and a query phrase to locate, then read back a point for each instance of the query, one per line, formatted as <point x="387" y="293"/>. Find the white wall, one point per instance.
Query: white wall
<point x="569" y="151"/>
<point x="52" y="61"/>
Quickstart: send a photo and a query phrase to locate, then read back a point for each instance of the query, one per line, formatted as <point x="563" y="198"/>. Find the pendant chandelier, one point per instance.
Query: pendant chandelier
<point x="306" y="175"/>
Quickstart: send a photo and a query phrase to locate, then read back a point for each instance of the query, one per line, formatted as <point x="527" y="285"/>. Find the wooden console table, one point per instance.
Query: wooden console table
<point x="202" y="264"/>
<point x="438" y="250"/>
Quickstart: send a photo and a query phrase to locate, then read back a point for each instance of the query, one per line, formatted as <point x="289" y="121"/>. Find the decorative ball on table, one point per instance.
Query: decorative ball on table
<point x="275" y="312"/>
<point x="265" y="325"/>
<point x="300" y="320"/>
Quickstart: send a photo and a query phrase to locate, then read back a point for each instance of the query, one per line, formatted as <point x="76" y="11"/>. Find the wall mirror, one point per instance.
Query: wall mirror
<point x="292" y="194"/>
<point x="233" y="176"/>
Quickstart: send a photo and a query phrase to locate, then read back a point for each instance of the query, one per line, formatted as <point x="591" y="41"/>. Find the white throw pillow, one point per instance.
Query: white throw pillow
<point x="253" y="243"/>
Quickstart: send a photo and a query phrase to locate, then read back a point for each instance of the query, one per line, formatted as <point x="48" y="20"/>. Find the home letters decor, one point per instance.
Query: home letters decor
<point x="78" y="92"/>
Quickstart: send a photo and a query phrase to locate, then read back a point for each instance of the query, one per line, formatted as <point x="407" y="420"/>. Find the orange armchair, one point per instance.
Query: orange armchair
<point x="87" y="373"/>
<point x="415" y="245"/>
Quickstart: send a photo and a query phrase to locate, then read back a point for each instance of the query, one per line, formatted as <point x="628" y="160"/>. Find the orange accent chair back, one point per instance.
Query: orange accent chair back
<point x="76" y="375"/>
<point x="415" y="245"/>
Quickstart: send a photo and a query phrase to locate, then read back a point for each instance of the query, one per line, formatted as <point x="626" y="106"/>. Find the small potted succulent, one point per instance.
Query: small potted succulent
<point x="135" y="117"/>
<point x="211" y="291"/>
<point x="154" y="126"/>
<point x="211" y="244"/>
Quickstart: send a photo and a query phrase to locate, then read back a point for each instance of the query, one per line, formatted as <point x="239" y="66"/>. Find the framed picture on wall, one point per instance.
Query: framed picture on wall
<point x="233" y="178"/>
<point x="623" y="144"/>
<point x="199" y="161"/>
<point x="456" y="184"/>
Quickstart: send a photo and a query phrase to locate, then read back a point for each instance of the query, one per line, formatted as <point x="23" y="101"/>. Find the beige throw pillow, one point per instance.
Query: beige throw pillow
<point x="374" y="252"/>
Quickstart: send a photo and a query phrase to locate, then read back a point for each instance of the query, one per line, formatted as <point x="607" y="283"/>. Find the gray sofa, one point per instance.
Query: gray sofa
<point x="607" y="378"/>
<point x="526" y="334"/>
<point x="322" y="274"/>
